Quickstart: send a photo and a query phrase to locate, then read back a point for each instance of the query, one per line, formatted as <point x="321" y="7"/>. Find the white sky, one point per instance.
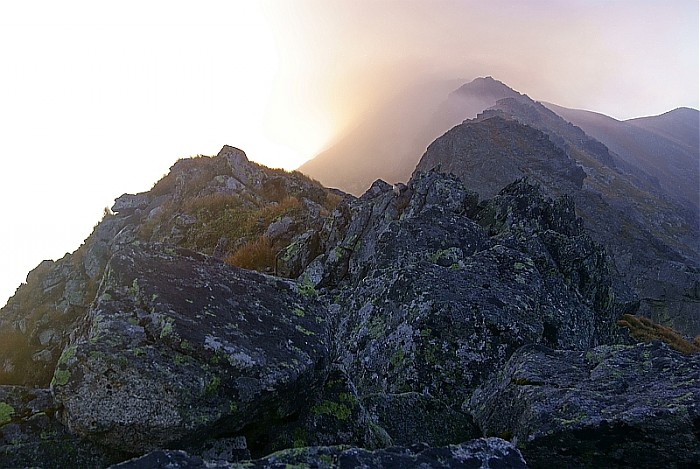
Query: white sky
<point x="100" y="98"/>
<point x="98" y="101"/>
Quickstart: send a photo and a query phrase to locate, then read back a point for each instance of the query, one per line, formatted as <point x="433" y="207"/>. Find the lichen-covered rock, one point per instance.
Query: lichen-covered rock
<point x="130" y="203"/>
<point x="486" y="452"/>
<point x="297" y="255"/>
<point x="180" y="346"/>
<point x="406" y="302"/>
<point x="651" y="236"/>
<point x="564" y="254"/>
<point x="241" y="169"/>
<point x="612" y="406"/>
<point x="31" y="436"/>
<point x="433" y="292"/>
<point x="36" y="322"/>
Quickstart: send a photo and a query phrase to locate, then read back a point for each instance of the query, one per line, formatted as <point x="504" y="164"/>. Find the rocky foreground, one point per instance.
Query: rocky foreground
<point x="415" y="326"/>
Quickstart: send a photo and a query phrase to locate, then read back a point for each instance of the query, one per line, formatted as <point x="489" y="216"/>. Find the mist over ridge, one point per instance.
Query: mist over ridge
<point x="489" y="255"/>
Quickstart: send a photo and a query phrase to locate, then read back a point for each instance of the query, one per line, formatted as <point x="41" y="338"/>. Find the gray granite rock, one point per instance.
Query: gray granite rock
<point x="179" y="346"/>
<point x="612" y="406"/>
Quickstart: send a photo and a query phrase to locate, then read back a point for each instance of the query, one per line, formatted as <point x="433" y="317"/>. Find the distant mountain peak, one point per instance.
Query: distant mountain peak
<point x="487" y="86"/>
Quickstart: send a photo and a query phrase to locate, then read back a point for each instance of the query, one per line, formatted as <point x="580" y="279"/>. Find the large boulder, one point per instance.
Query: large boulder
<point x="179" y="347"/>
<point x="219" y="206"/>
<point x="612" y="406"/>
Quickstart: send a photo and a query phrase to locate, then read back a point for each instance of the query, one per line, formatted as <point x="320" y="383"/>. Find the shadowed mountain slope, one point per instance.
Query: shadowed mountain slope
<point x="639" y="194"/>
<point x="666" y="147"/>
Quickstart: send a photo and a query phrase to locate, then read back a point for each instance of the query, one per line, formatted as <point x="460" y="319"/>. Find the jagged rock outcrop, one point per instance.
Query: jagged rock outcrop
<point x="638" y="194"/>
<point x="619" y="406"/>
<point x="491" y="153"/>
<point x="30" y="436"/>
<point x="486" y="452"/>
<point x="433" y="292"/>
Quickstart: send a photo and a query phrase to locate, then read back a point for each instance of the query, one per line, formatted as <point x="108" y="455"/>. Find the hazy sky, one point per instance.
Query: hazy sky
<point x="100" y="98"/>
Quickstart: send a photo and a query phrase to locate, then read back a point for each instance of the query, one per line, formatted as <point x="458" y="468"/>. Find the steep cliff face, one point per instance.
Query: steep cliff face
<point x="402" y="317"/>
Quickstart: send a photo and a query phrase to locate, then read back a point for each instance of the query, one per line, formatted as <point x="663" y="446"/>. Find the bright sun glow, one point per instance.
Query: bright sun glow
<point x="97" y="101"/>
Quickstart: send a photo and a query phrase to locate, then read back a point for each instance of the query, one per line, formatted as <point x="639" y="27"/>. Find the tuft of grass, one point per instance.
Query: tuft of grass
<point x="287" y="206"/>
<point x="257" y="254"/>
<point x="646" y="330"/>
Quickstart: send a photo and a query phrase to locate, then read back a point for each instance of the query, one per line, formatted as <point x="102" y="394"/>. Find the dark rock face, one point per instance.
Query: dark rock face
<point x="428" y="303"/>
<point x="486" y="452"/>
<point x="410" y="417"/>
<point x="620" y="406"/>
<point x="391" y="348"/>
<point x="513" y="151"/>
<point x="337" y="416"/>
<point x="561" y="245"/>
<point x="178" y="346"/>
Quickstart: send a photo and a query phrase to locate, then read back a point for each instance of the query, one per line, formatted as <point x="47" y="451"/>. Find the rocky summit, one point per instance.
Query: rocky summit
<point x="239" y="316"/>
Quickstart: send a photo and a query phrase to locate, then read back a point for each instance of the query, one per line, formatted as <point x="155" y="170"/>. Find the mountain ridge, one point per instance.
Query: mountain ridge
<point x="652" y="233"/>
<point x="236" y="315"/>
<point x="670" y="159"/>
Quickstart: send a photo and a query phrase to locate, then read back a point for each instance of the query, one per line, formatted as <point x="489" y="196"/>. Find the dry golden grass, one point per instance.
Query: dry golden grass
<point x="212" y="203"/>
<point x="646" y="330"/>
<point x="286" y="206"/>
<point x="257" y="254"/>
<point x="16" y="349"/>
